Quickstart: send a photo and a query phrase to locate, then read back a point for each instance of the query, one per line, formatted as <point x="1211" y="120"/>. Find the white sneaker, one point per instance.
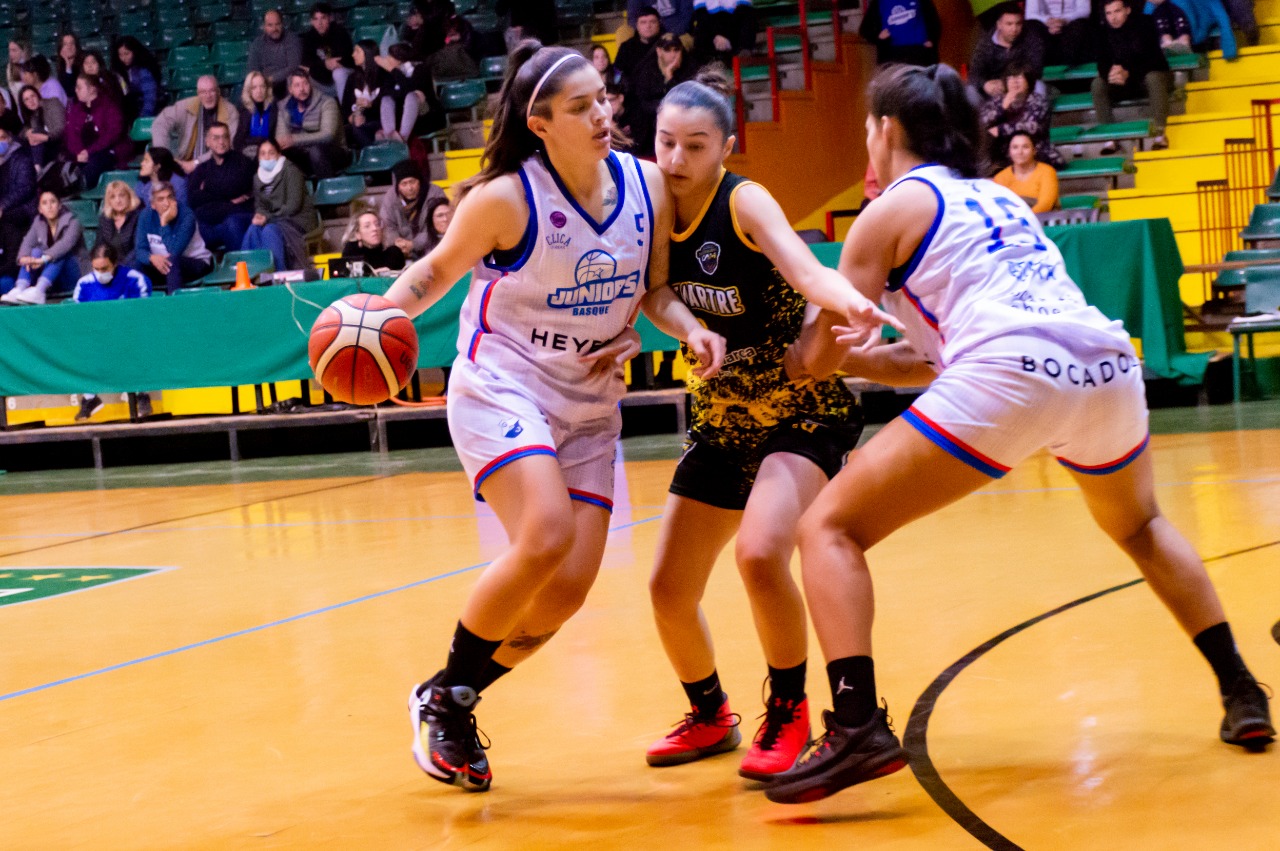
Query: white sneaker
<point x="11" y="297"/>
<point x="31" y="295"/>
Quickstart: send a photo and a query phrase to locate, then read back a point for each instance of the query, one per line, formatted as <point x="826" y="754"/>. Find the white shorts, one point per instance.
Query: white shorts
<point x="493" y="421"/>
<point x="1016" y="394"/>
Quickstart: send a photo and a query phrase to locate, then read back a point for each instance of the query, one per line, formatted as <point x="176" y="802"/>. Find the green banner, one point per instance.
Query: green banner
<point x="24" y="584"/>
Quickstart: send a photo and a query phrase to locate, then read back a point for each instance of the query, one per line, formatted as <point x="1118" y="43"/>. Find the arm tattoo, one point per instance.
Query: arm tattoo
<point x="417" y="291"/>
<point x="610" y="198"/>
<point x="525" y="641"/>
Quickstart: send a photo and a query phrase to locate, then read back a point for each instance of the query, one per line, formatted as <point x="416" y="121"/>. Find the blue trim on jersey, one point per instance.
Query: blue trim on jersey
<point x="530" y="238"/>
<point x="503" y="460"/>
<point x="919" y="305"/>
<point x="898" y="277"/>
<point x="619" y="181"/>
<point x="1104" y="469"/>
<point x="951" y="447"/>
<point x="591" y="499"/>
<point x="648" y="204"/>
<point x="475" y="344"/>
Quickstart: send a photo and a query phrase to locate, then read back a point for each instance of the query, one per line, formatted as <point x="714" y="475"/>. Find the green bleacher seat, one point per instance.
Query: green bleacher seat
<point x="333" y="191"/>
<point x="379" y="158"/>
<point x="362" y="16"/>
<point x="374" y="32"/>
<point x="493" y="67"/>
<point x="141" y="129"/>
<point x="228" y="31"/>
<point x="258" y="261"/>
<point x="1078" y="202"/>
<point x="1273" y="191"/>
<point x="231" y="54"/>
<point x="1185" y="61"/>
<point x="755" y="73"/>
<point x="187" y="56"/>
<point x="786" y="44"/>
<point x="1264" y="223"/>
<point x="98" y="192"/>
<point x="1104" y="167"/>
<point x="464" y="94"/>
<point x="86" y="212"/>
<point x="1121" y="130"/>
<point x="1080" y="101"/>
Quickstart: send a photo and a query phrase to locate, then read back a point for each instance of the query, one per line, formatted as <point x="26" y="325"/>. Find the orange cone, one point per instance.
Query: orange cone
<point x="242" y="277"/>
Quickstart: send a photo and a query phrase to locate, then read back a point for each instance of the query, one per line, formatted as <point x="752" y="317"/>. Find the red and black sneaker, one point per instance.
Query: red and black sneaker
<point x="842" y="757"/>
<point x="1248" y="718"/>
<point x="780" y="740"/>
<point x="696" y="737"/>
<point x="446" y="741"/>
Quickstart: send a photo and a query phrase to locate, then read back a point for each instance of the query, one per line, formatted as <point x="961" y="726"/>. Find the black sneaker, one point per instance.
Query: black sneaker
<point x="89" y="405"/>
<point x="841" y="757"/>
<point x="446" y="742"/>
<point x="1248" y="719"/>
<point x="144" y="406"/>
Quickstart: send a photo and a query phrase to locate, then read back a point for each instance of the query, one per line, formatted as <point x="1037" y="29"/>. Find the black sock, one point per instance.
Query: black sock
<point x="705" y="695"/>
<point x="468" y="655"/>
<point x="853" y="689"/>
<point x="1219" y="647"/>
<point x="787" y="683"/>
<point x="491" y="673"/>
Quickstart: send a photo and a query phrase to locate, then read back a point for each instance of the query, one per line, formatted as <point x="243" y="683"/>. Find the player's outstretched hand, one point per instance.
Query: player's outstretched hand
<point x="613" y="354"/>
<point x="708" y="347"/>
<point x="862" y="312"/>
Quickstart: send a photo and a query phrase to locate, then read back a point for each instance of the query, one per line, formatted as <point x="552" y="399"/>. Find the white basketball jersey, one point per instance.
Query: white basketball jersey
<point x="985" y="269"/>
<point x="570" y="286"/>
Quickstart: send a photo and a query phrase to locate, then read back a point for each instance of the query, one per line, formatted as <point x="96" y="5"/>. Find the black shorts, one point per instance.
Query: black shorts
<point x="722" y="476"/>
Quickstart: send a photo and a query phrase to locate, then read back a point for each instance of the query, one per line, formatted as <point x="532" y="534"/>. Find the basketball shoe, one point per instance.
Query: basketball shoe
<point x="841" y="757"/>
<point x="1248" y="718"/>
<point x="697" y="736"/>
<point x="446" y="741"/>
<point x="780" y="740"/>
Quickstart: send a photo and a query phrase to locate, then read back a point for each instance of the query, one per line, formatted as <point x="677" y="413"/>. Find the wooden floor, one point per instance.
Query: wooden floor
<point x="253" y="694"/>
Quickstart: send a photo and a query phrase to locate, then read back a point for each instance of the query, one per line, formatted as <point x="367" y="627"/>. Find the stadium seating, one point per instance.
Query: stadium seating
<point x="97" y="193"/>
<point x="224" y="274"/>
<point x="1264" y="224"/>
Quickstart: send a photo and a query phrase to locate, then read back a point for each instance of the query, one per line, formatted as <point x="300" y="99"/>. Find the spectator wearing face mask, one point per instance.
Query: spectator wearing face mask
<point x="109" y="280"/>
<point x="283" y="212"/>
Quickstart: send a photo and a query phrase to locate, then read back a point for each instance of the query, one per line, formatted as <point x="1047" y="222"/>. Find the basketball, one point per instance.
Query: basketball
<point x="363" y="349"/>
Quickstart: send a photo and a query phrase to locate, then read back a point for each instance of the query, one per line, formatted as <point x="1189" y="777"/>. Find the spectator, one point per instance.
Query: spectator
<point x="1035" y="182"/>
<point x="221" y="191"/>
<point x="181" y="127"/>
<point x="1172" y="24"/>
<point x="1006" y="44"/>
<point x="275" y="52"/>
<point x="600" y="60"/>
<point x="364" y="242"/>
<point x="159" y="167"/>
<point x="648" y="27"/>
<point x="530" y="19"/>
<point x="1243" y="18"/>
<point x="44" y="126"/>
<point x="1062" y="30"/>
<point x="428" y="24"/>
<point x="68" y="61"/>
<point x="17" y="201"/>
<point x="169" y="248"/>
<point x="118" y="218"/>
<point x="453" y="61"/>
<point x="37" y="72"/>
<point x="1021" y="109"/>
<point x="440" y="216"/>
<point x="283" y="213"/>
<point x="311" y="127"/>
<point x="903" y="31"/>
<point x="409" y="95"/>
<point x="360" y="106"/>
<point x="138" y="67"/>
<point x="676" y="16"/>
<point x="107" y="281"/>
<point x="1131" y="65"/>
<point x="52" y="252"/>
<point x="617" y="98"/>
<point x="668" y="66"/>
<point x="258" y="117"/>
<point x="96" y="136"/>
<point x="404" y="211"/>
<point x="413" y="32"/>
<point x="19" y="53"/>
<point x="92" y="64"/>
<point x="326" y="52"/>
<point x="722" y="29"/>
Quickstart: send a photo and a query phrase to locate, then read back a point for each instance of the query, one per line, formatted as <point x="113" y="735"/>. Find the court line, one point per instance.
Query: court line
<point x="915" y="737"/>
<point x="250" y="630"/>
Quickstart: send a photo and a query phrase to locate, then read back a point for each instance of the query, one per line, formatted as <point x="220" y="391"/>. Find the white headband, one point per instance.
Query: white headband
<point x="528" y="113"/>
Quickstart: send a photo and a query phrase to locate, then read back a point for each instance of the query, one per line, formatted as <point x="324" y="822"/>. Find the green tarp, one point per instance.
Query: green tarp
<point x="1129" y="270"/>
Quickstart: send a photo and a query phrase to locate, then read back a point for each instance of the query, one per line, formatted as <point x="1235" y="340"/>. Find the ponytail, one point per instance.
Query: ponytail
<point x="511" y="141"/>
<point x="935" y="110"/>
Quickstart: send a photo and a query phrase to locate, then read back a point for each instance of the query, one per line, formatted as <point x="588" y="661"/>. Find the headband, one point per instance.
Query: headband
<point x="528" y="113"/>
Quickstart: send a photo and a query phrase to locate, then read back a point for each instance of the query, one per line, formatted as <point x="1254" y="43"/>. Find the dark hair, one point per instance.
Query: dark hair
<point x="933" y="107"/>
<point x="96" y="54"/>
<point x="105" y="251"/>
<point x="273" y="143"/>
<point x="511" y="141"/>
<point x="645" y="11"/>
<point x="22" y="92"/>
<point x="300" y="71"/>
<point x="322" y="9"/>
<point x="709" y="90"/>
<point x="165" y="165"/>
<point x="1030" y="138"/>
<point x="615" y="88"/>
<point x="670" y="40"/>
<point x="217" y="125"/>
<point x="39" y="66"/>
<point x="435" y="204"/>
<point x="400" y="52"/>
<point x="1011" y="8"/>
<point x="92" y="81"/>
<point x="142" y="57"/>
<point x="371" y="50"/>
<point x="1021" y="69"/>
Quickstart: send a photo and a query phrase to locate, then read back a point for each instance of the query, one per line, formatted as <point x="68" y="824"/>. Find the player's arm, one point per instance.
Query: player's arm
<point x="661" y="304"/>
<point x="895" y="364"/>
<point x="492" y="216"/>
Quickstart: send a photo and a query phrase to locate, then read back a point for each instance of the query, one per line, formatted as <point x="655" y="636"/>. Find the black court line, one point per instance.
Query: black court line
<point x="162" y="522"/>
<point x="915" y="737"/>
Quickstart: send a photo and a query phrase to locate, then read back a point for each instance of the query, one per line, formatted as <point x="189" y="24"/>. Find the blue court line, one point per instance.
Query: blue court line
<point x="250" y="630"/>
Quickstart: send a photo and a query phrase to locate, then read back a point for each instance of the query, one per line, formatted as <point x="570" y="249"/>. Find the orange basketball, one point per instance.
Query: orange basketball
<point x="363" y="349"/>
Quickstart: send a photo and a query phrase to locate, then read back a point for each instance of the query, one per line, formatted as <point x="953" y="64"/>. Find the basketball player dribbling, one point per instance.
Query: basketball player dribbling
<point x="1018" y="362"/>
<point x="742" y="270"/>
<point x="567" y="239"/>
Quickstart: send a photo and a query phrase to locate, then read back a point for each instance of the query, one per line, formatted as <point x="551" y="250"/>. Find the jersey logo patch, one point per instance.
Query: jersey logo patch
<point x="708" y="257"/>
<point x="511" y="428"/>
<point x="598" y="285"/>
<point x="558" y="219"/>
<point x="558" y="241"/>
<point x="721" y="301"/>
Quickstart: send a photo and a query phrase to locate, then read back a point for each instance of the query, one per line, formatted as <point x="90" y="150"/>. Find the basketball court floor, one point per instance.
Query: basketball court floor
<point x="232" y="668"/>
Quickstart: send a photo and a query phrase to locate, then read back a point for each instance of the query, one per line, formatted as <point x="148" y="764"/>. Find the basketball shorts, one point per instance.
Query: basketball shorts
<point x="722" y="476"/>
<point x="494" y="421"/>
<point x="1016" y="394"/>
